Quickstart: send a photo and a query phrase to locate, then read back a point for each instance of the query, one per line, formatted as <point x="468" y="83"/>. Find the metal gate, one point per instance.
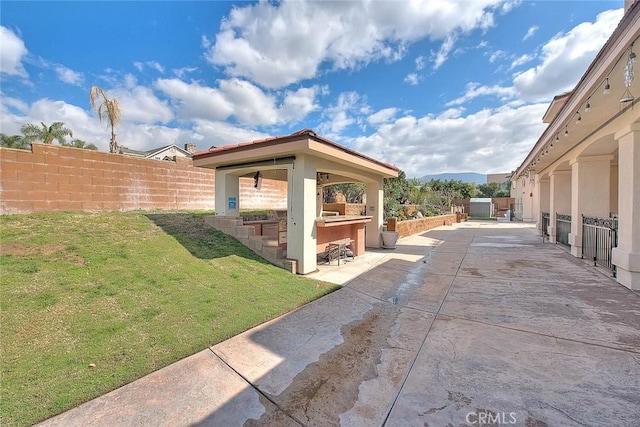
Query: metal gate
<point x="599" y="237"/>
<point x="546" y="218"/>
<point x="563" y="228"/>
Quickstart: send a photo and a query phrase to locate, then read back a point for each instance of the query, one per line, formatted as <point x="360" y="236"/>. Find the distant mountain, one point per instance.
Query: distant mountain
<point x="478" y="178"/>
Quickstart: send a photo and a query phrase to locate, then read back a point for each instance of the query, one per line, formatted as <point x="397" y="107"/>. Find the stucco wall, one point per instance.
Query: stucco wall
<point x="414" y="226"/>
<point x="53" y="178"/>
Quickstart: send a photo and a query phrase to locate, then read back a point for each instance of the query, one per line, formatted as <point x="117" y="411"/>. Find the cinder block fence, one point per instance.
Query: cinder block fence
<point x="50" y="178"/>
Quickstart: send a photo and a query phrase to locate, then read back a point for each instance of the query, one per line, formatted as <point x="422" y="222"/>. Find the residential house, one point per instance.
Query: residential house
<point x="581" y="181"/>
<point x="168" y="152"/>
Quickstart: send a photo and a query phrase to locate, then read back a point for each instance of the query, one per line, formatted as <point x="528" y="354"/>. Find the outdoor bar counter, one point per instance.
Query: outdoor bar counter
<point x="337" y="227"/>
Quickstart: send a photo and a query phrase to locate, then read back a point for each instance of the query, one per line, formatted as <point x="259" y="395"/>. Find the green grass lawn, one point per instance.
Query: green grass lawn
<point x="90" y="302"/>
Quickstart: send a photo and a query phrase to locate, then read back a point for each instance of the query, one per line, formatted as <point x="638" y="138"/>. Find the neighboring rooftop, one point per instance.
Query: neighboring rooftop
<point x="167" y="152"/>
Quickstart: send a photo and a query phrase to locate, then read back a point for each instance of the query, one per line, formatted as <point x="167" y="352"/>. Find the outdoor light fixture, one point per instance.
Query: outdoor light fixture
<point x="607" y="87"/>
<point x="626" y="97"/>
<point x="627" y="72"/>
<point x="566" y="131"/>
<point x="579" y="118"/>
<point x="257" y="180"/>
<point x="587" y="107"/>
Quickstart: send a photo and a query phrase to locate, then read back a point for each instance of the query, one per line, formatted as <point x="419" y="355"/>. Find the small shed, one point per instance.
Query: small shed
<point x="481" y="207"/>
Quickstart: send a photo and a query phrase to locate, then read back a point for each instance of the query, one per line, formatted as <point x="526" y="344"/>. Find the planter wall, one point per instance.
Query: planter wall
<point x="419" y="225"/>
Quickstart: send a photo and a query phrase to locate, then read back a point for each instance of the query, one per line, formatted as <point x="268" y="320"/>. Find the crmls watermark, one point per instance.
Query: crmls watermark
<point x="492" y="418"/>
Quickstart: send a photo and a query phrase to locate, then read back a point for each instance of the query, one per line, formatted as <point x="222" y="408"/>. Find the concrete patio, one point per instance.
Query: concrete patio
<point x="470" y="324"/>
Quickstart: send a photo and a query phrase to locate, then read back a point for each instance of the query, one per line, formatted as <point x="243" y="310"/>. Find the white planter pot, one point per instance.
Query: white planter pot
<point x="389" y="239"/>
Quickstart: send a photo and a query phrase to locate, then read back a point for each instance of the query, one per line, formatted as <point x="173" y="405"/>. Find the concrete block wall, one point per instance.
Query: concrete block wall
<point x="415" y="226"/>
<point x="50" y="178"/>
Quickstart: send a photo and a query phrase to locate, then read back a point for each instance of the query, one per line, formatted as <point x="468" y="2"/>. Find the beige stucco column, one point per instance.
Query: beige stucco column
<point x="543" y="196"/>
<point x="535" y="201"/>
<point x="560" y="199"/>
<point x="626" y="257"/>
<point x="528" y="214"/>
<point x="613" y="191"/>
<point x="301" y="224"/>
<point x="375" y="196"/>
<point x="589" y="194"/>
<point x="227" y="194"/>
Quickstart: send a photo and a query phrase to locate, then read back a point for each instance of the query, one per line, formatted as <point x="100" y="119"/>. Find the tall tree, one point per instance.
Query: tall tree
<point x="47" y="134"/>
<point x="444" y="192"/>
<point x="108" y="109"/>
<point x="14" y="141"/>
<point x="353" y="192"/>
<point x="396" y="194"/>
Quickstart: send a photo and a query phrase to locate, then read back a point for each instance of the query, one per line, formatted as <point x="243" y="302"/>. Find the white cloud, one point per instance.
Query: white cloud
<point x="75" y="118"/>
<point x="346" y="111"/>
<point x="383" y="116"/>
<point x="566" y="57"/>
<point x="181" y="72"/>
<point x="498" y="54"/>
<point x="474" y="90"/>
<point x="14" y="103"/>
<point x="139" y="104"/>
<point x="251" y="106"/>
<point x="530" y="32"/>
<point x="523" y="59"/>
<point x="205" y="42"/>
<point x="276" y="44"/>
<point x="69" y="76"/>
<point x="237" y="98"/>
<point x="146" y="137"/>
<point x="155" y="65"/>
<point x="194" y="101"/>
<point x="12" y="53"/>
<point x="411" y="79"/>
<point x="216" y="133"/>
<point x="298" y="104"/>
<point x="441" y="56"/>
<point x="89" y="128"/>
<point x="451" y="142"/>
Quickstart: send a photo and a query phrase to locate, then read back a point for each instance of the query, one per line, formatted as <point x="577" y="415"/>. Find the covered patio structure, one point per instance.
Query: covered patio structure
<point x="307" y="162"/>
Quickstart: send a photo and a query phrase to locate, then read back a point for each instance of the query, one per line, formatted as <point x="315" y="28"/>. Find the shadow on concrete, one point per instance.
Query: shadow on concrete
<point x="308" y="367"/>
<point x="200" y="239"/>
<point x="355" y="356"/>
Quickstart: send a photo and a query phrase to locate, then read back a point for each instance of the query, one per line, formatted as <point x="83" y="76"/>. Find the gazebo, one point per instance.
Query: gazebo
<point x="307" y="162"/>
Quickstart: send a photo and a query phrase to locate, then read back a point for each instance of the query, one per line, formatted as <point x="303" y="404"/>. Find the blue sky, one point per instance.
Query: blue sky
<point x="431" y="86"/>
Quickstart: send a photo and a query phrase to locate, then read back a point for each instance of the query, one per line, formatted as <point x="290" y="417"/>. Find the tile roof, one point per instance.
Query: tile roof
<point x="280" y="139"/>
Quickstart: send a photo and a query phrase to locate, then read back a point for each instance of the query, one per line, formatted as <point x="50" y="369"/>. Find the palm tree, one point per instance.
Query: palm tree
<point x="14" y="141"/>
<point x="57" y="131"/>
<point x="78" y="143"/>
<point x="109" y="109"/>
